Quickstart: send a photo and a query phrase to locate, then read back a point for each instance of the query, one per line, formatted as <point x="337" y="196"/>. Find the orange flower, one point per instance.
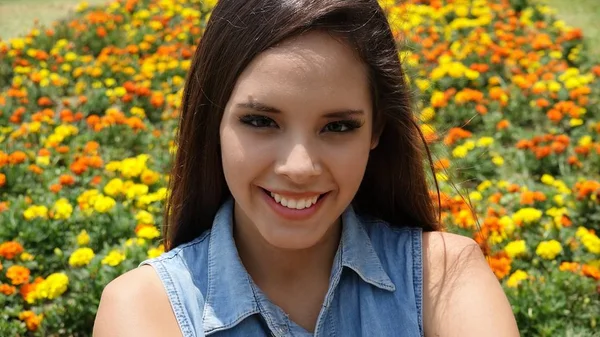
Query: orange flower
<point x="7" y="289"/>
<point x="101" y="32"/>
<point x="542" y="103"/>
<point x="32" y="321"/>
<point x="44" y="101"/>
<point x="2" y="179"/>
<point x="558" y="147"/>
<point x="527" y="198"/>
<point x="542" y="152"/>
<point x="554" y="115"/>
<point x="18" y="274"/>
<point x="29" y="287"/>
<point x="500" y="264"/>
<point x="96" y="180"/>
<point x="35" y="169"/>
<point x="157" y="100"/>
<point x="91" y="147"/>
<point x="441" y="164"/>
<point x="55" y="188"/>
<point x="10" y="249"/>
<point x="62" y="149"/>
<point x="455" y="134"/>
<point x="17" y="157"/>
<point x="481" y="109"/>
<point x="590" y="271"/>
<point x="569" y="266"/>
<point x="66" y="179"/>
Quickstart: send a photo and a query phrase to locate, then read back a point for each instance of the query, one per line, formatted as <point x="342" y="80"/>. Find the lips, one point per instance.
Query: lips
<point x="294" y="205"/>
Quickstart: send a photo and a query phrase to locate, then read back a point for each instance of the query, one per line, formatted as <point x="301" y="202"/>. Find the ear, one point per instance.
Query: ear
<point x="377" y="131"/>
<point x="374" y="142"/>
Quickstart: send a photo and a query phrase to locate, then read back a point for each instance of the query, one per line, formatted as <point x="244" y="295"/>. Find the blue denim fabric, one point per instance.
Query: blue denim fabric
<point x="375" y="288"/>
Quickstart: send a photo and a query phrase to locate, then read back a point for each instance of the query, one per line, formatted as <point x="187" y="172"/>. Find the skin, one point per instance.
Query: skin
<point x="296" y="151"/>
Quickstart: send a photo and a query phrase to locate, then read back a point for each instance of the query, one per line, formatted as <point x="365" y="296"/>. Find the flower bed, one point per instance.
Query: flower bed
<point x="507" y="96"/>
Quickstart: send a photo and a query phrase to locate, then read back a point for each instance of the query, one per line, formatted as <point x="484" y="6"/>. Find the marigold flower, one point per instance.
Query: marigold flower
<point x="114" y="258"/>
<point x="516" y="278"/>
<point x="548" y="249"/>
<point x="10" y="249"/>
<point x="18" y="274"/>
<point x="516" y="248"/>
<point x="81" y="257"/>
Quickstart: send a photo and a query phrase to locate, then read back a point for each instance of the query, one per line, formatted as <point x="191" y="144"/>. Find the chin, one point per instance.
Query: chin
<point x="292" y="239"/>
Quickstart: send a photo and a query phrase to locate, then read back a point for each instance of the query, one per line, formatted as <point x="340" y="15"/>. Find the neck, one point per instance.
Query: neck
<point x="269" y="265"/>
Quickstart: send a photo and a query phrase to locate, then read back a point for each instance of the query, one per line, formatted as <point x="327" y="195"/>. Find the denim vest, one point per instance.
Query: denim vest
<point x="375" y="287"/>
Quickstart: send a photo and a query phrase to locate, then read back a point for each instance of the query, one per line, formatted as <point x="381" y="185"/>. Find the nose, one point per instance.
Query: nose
<point x="299" y="164"/>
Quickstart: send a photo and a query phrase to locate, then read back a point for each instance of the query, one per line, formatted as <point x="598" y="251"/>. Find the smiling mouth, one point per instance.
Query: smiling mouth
<point x="294" y="203"/>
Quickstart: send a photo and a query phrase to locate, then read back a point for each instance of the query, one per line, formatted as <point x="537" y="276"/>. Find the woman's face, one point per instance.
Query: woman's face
<point x="295" y="139"/>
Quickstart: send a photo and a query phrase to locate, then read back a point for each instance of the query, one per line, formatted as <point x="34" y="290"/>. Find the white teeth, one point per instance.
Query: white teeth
<point x="294" y="203"/>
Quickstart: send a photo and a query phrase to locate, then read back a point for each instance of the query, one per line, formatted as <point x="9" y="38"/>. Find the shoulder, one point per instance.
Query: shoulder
<point x="135" y="304"/>
<point x="461" y="295"/>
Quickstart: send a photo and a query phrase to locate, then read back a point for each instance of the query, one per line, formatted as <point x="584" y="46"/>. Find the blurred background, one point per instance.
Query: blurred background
<point x="507" y="95"/>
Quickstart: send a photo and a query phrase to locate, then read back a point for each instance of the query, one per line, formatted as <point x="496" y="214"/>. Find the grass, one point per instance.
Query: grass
<point x="584" y="14"/>
<point x="18" y="16"/>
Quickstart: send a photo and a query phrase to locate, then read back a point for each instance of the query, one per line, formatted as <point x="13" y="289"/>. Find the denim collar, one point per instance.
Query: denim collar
<point x="231" y="294"/>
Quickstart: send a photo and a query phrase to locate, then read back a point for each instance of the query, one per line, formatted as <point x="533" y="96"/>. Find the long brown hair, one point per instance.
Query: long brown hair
<point x="394" y="187"/>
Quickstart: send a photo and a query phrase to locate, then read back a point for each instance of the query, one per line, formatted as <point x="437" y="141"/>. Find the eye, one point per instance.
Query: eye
<point x="258" y="121"/>
<point x="342" y="126"/>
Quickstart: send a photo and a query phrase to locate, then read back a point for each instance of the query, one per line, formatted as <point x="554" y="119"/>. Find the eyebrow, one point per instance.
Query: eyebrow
<point x="257" y="106"/>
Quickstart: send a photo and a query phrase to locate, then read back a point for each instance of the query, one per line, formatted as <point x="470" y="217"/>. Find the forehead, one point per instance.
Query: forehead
<point x="312" y="66"/>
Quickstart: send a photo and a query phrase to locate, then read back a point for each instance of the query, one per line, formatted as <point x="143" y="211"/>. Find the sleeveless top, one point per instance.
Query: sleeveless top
<point x="375" y="287"/>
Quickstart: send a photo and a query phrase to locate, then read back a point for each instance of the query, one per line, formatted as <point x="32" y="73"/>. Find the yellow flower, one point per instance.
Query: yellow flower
<point x="441" y="176"/>
<point x="548" y="249"/>
<point x="83" y="238"/>
<point x="585" y="141"/>
<point x="62" y="209"/>
<point x="135" y="241"/>
<point x="131" y="167"/>
<point x="475" y="196"/>
<point x="52" y="287"/>
<point x="155" y="252"/>
<point x="516" y="248"/>
<point x="148" y="232"/>
<point x="113" y="166"/>
<point x="547" y="179"/>
<point x="149" y="177"/>
<point x="26" y="257"/>
<point x="485" y="141"/>
<point x="34" y="211"/>
<point x="575" y="122"/>
<point x="81" y="257"/>
<point x="42" y="160"/>
<point x="144" y="217"/>
<point x="460" y="152"/>
<point x="589" y="240"/>
<point x="104" y="204"/>
<point x="507" y="224"/>
<point x="527" y="215"/>
<point x="114" y="258"/>
<point x="484" y="185"/>
<point x="427" y="114"/>
<point x="516" y="278"/>
<point x="498" y="161"/>
<point x="114" y="187"/>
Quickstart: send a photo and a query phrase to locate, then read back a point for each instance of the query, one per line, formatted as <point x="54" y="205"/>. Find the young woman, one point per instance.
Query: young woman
<point x="299" y="202"/>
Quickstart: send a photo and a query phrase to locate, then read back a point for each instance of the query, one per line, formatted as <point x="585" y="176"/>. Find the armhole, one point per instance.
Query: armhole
<point x="417" y="258"/>
<point x="173" y="295"/>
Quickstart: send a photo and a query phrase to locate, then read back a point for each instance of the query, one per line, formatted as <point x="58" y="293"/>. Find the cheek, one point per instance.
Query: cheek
<point x="348" y="164"/>
<point x="241" y="158"/>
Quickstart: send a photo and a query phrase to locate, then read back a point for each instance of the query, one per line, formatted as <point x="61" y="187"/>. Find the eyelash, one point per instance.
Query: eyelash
<point x="250" y="120"/>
